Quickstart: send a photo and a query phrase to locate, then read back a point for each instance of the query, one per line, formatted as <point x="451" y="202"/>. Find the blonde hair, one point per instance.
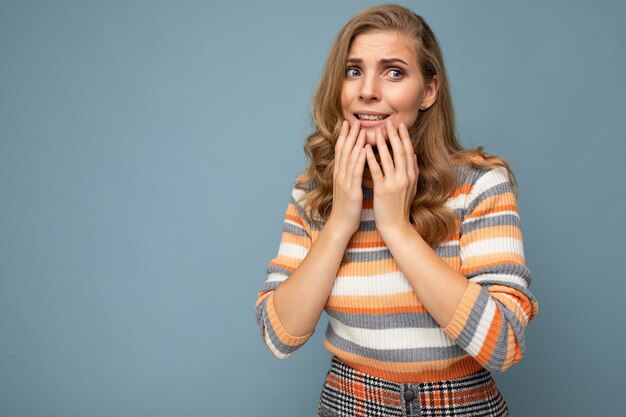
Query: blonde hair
<point x="433" y="133"/>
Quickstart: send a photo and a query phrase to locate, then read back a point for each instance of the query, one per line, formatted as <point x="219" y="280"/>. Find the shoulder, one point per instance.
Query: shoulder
<point x="484" y="186"/>
<point x="301" y="187"/>
<point x="300" y="198"/>
<point x="478" y="171"/>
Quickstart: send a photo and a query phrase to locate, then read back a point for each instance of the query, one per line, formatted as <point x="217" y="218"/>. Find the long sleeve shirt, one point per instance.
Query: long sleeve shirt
<point x="377" y="324"/>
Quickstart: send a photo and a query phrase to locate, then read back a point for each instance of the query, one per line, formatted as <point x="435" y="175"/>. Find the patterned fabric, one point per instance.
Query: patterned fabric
<point x="376" y="322"/>
<point x="348" y="392"/>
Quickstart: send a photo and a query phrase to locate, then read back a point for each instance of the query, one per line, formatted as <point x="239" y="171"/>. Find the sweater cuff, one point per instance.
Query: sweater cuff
<point x="463" y="311"/>
<point x="284" y="336"/>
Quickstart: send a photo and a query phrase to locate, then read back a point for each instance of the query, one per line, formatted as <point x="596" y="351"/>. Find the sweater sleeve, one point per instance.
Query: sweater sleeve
<point x="294" y="246"/>
<point x="491" y="318"/>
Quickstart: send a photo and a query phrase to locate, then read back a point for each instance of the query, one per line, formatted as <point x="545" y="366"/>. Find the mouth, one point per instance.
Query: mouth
<point x="370" y="117"/>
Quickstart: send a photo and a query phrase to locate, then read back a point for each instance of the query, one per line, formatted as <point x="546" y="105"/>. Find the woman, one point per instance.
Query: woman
<point x="410" y="243"/>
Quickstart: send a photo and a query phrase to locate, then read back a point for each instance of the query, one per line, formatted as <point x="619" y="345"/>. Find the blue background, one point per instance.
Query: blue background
<point x="147" y="152"/>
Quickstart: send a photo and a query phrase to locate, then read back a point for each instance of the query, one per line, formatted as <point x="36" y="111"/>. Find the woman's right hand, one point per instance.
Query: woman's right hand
<point x="347" y="178"/>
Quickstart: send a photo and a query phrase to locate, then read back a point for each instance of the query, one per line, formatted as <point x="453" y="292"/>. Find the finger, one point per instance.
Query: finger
<point x="385" y="158"/>
<point x="377" y="174"/>
<point x="348" y="145"/>
<point x="356" y="151"/>
<point x="399" y="156"/>
<point x="360" y="167"/>
<point x="339" y="144"/>
<point x="409" y="152"/>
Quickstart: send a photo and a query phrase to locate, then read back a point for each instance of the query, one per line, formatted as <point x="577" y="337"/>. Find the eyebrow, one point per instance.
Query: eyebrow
<point x="384" y="61"/>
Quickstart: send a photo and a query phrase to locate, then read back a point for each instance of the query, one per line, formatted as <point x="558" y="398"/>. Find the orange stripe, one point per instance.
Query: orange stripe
<point x="472" y="264"/>
<point x="294" y="218"/>
<point x="492" y="232"/>
<point x="410" y="372"/>
<point x="295" y="239"/>
<point x="518" y="308"/>
<point x="461" y="315"/>
<point x="489" y="344"/>
<point x="380" y="303"/>
<point x="463" y="189"/>
<point x="493" y="204"/>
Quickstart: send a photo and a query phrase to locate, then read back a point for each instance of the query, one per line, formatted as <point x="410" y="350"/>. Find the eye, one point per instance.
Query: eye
<point x="398" y="71"/>
<point x="351" y="69"/>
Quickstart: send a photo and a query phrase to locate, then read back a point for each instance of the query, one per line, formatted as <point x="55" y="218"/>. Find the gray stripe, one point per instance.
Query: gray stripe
<point x="385" y="321"/>
<point x="269" y="286"/>
<point x="496" y="189"/>
<point x="368" y="256"/>
<point x="518" y="270"/>
<point x="300" y="210"/>
<point x="504" y="219"/>
<point x="367" y="226"/>
<point x="443" y="251"/>
<point x="516" y="325"/>
<point x="279" y="269"/>
<point x="448" y="251"/>
<point x="476" y="312"/>
<point x="496" y="361"/>
<point x="466" y="174"/>
<point x="281" y="347"/>
<point x="395" y="355"/>
<point x="294" y="229"/>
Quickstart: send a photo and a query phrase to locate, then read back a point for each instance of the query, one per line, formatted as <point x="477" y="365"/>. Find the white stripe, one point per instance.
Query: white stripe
<point x="367" y="214"/>
<point x="297" y="194"/>
<point x="392" y="283"/>
<point x="456" y="202"/>
<point x="296" y="224"/>
<point x="492" y="246"/>
<point x="487" y="180"/>
<point x="292" y="250"/>
<point x="469" y="220"/>
<point x="504" y="279"/>
<point x="275" y="276"/>
<point x="273" y="348"/>
<point x="365" y="250"/>
<point x="513" y="299"/>
<point x="483" y="328"/>
<point x="450" y="243"/>
<point x="402" y="338"/>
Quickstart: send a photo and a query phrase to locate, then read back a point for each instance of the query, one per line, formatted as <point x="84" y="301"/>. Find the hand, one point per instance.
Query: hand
<point x="347" y="178"/>
<point x="394" y="191"/>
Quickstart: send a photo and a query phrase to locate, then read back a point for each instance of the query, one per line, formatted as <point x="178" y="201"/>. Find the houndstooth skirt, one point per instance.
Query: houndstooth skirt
<point x="348" y="393"/>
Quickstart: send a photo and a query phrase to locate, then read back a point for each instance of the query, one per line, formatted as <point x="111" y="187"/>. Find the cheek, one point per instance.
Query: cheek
<point x="407" y="106"/>
<point x="344" y="104"/>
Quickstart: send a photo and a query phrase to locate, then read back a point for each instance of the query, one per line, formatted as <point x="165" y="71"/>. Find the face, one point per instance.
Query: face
<point x="383" y="77"/>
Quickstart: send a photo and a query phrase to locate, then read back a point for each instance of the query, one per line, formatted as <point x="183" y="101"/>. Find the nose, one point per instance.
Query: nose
<point x="370" y="89"/>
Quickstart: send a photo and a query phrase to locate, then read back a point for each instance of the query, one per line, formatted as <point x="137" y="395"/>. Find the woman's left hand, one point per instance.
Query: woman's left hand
<point x="394" y="184"/>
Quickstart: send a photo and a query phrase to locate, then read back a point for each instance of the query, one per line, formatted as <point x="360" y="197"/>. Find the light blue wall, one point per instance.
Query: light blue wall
<point x="147" y="151"/>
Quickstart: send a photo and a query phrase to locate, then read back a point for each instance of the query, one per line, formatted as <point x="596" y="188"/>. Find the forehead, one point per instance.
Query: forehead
<point x="382" y="44"/>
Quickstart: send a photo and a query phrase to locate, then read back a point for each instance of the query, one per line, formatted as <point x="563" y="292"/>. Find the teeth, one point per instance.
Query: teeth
<point x="370" y="117"/>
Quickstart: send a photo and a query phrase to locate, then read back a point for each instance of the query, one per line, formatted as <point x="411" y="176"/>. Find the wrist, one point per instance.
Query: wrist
<point x="337" y="230"/>
<point x="397" y="231"/>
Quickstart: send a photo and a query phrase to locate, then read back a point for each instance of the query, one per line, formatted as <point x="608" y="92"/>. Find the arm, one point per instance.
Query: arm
<point x="490" y="321"/>
<point x="486" y="306"/>
<point x="299" y="281"/>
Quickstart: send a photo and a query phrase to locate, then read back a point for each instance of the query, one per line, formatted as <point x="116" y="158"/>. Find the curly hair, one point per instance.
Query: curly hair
<point x="433" y="133"/>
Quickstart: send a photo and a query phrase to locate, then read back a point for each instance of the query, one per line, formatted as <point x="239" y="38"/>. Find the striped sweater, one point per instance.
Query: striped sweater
<point x="377" y="324"/>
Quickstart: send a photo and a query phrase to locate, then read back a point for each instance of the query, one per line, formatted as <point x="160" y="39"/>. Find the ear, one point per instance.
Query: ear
<point x="430" y="92"/>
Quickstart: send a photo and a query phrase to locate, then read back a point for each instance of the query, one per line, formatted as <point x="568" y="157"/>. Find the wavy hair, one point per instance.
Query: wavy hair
<point x="433" y="133"/>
